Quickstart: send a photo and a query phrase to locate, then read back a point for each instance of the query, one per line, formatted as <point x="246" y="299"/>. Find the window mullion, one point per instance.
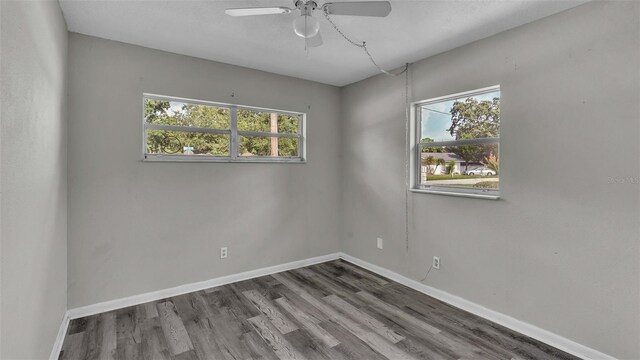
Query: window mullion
<point x="418" y="155"/>
<point x="234" y="143"/>
<point x="185" y="129"/>
<point x="477" y="141"/>
<point x="267" y="134"/>
<point x="300" y="136"/>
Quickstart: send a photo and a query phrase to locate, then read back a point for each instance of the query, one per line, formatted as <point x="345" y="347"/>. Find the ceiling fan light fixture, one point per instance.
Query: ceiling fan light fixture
<point x="306" y="26"/>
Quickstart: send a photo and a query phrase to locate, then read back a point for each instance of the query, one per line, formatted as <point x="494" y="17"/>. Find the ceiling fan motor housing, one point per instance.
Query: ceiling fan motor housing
<point x="306" y="7"/>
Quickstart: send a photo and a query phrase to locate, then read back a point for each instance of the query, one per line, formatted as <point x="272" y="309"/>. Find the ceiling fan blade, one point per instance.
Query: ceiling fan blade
<point x="359" y="8"/>
<point x="315" y="41"/>
<point x="250" y="11"/>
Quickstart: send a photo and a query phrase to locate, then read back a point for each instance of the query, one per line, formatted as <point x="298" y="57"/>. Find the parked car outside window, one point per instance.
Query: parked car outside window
<point x="480" y="171"/>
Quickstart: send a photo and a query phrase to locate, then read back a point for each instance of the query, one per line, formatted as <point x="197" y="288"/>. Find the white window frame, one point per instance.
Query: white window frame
<point x="415" y="149"/>
<point x="233" y="132"/>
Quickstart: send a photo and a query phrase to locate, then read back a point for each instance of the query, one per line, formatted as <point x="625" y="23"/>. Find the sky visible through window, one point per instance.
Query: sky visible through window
<point x="175" y="107"/>
<point x="436" y="118"/>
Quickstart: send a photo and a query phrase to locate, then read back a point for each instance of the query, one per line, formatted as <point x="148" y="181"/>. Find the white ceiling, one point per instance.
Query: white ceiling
<point x="414" y="30"/>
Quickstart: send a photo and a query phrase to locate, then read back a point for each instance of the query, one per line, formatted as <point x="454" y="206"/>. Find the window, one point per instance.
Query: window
<point x="190" y="130"/>
<point x="457" y="141"/>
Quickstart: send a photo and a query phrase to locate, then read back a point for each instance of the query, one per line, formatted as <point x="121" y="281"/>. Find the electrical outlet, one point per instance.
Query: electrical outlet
<point x="379" y="243"/>
<point x="223" y="252"/>
<point x="436" y="263"/>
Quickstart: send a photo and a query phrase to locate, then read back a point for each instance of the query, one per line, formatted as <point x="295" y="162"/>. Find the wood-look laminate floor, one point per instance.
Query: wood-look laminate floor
<point x="333" y="310"/>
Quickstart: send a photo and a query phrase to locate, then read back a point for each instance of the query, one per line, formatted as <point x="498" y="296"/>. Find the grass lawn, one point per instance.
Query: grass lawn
<point x="457" y="177"/>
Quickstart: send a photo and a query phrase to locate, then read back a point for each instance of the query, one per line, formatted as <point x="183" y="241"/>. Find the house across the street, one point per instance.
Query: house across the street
<point x="439" y="169"/>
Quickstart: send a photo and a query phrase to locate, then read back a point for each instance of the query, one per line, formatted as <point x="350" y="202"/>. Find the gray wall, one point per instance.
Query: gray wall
<point x="136" y="227"/>
<point x="33" y="177"/>
<point x="561" y="249"/>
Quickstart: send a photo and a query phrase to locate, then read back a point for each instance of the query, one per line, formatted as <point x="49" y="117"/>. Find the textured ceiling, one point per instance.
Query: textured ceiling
<point x="414" y="30"/>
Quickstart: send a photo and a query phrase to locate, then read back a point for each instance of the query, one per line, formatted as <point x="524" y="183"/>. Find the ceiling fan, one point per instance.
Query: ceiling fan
<point x="308" y="27"/>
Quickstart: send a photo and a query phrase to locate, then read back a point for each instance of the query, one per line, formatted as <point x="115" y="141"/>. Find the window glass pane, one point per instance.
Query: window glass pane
<point x="250" y="120"/>
<point x="176" y="113"/>
<point x="287" y="124"/>
<point x="288" y="147"/>
<point x="463" y="166"/>
<point x="265" y="121"/>
<point x="168" y="142"/>
<point x="268" y="146"/>
<point x="467" y="117"/>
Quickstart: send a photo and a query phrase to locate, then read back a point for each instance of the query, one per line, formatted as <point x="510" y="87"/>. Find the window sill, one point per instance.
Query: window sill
<point x="459" y="194"/>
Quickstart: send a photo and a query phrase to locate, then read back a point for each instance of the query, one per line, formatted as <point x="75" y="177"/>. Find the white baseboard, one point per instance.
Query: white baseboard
<point x="532" y="331"/>
<point x="115" y="304"/>
<point x="187" y="288"/>
<point x="57" y="346"/>
<point x="522" y="327"/>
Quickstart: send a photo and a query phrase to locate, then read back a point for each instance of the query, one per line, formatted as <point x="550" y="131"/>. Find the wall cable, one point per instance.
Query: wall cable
<point x="405" y="71"/>
<point x="428" y="271"/>
<point x="362" y="45"/>
<point x="407" y="173"/>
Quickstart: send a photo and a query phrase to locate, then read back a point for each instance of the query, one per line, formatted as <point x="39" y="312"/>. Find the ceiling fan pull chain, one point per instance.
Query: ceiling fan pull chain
<point x="363" y="46"/>
<point x="326" y="15"/>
